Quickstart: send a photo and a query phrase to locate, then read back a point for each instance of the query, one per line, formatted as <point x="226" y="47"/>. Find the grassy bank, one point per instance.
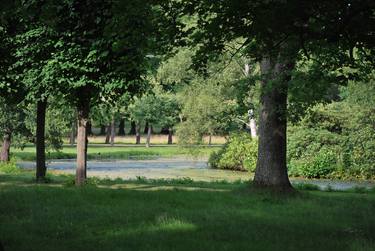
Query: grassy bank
<point x="178" y="215"/>
<point x="115" y="152"/>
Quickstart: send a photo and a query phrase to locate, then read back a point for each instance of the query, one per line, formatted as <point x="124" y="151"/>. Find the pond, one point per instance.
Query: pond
<point x="175" y="168"/>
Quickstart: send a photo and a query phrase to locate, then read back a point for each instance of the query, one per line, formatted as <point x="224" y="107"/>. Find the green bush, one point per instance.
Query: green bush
<point x="239" y="153"/>
<point x="9" y="167"/>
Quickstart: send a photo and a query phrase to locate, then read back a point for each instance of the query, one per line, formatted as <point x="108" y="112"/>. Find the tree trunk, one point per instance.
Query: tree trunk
<point x="108" y="134"/>
<point x="271" y="169"/>
<point x="132" y="128"/>
<point x="73" y="133"/>
<point x="113" y="131"/>
<point x="252" y="124"/>
<point x="148" y="136"/>
<point x="102" y="130"/>
<point x="5" y="149"/>
<point x="137" y="134"/>
<point x="40" y="140"/>
<point x="164" y="130"/>
<point x="89" y="128"/>
<point x="210" y="139"/>
<point x="170" y="135"/>
<point x="121" y="127"/>
<point x="83" y="110"/>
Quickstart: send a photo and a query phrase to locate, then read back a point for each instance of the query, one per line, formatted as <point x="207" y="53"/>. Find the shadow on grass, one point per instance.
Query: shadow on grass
<point x="142" y="215"/>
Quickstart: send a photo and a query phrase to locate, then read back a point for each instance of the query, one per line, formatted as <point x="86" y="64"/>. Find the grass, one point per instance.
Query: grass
<point x="115" y="152"/>
<point x="178" y="215"/>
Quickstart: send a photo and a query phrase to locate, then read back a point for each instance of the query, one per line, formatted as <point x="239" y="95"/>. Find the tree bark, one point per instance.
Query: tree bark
<point x="108" y="134"/>
<point x="271" y="169"/>
<point x="148" y="136"/>
<point x="40" y="140"/>
<point x="83" y="109"/>
<point x="72" y="138"/>
<point x="132" y="128"/>
<point x="137" y="134"/>
<point x="170" y="136"/>
<point x="121" y="127"/>
<point x="5" y="149"/>
<point x="113" y="131"/>
<point x="210" y="139"/>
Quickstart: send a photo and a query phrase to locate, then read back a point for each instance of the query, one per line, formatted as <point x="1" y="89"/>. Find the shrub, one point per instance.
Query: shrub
<point x="9" y="167"/>
<point x="239" y="153"/>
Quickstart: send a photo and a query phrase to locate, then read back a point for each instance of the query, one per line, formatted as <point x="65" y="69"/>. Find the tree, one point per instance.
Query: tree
<point x="278" y="34"/>
<point x="100" y="52"/>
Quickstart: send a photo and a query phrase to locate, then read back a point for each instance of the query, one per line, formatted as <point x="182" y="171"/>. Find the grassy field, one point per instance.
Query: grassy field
<point x="115" y="152"/>
<point x="178" y="215"/>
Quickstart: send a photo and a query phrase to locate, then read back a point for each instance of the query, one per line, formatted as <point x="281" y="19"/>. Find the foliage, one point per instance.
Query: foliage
<point x="337" y="139"/>
<point x="9" y="167"/>
<point x="239" y="153"/>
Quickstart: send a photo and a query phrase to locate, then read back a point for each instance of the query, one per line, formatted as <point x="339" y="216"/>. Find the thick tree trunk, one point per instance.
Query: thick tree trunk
<point x="102" y="130"/>
<point x="83" y="110"/>
<point x="137" y="134"/>
<point x="170" y="135"/>
<point x="73" y="133"/>
<point x="271" y="169"/>
<point x="113" y="131"/>
<point x="132" y="128"/>
<point x="148" y="136"/>
<point x="5" y="149"/>
<point x="121" y="127"/>
<point x="40" y="140"/>
<point x="108" y="134"/>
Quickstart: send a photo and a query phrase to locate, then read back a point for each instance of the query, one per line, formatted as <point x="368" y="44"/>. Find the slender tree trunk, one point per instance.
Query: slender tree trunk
<point x="210" y="139"/>
<point x="5" y="149"/>
<point x="137" y="134"/>
<point x="132" y="128"/>
<point x="121" y="127"/>
<point x="102" y="130"/>
<point x="252" y="124"/>
<point x="148" y="136"/>
<point x="73" y="133"/>
<point x="83" y="110"/>
<point x="108" y="134"/>
<point x="146" y="128"/>
<point x="170" y="135"/>
<point x="271" y="169"/>
<point x="89" y="128"/>
<point x="40" y="140"/>
<point x="113" y="131"/>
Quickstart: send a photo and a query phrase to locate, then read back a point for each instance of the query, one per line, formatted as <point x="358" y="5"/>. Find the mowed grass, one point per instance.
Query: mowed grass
<point x="179" y="215"/>
<point x="115" y="152"/>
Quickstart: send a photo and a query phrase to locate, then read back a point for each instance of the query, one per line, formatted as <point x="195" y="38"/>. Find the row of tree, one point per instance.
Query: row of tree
<point x="104" y="52"/>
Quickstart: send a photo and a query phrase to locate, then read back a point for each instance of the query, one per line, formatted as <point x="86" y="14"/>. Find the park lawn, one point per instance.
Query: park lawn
<point x="178" y="215"/>
<point x="115" y="152"/>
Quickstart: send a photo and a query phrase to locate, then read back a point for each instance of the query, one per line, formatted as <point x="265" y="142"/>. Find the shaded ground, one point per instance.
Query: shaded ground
<point x="175" y="168"/>
<point x="163" y="216"/>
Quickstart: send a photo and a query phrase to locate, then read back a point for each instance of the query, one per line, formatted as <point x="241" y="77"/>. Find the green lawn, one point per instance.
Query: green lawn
<point x="178" y="215"/>
<point x="115" y="152"/>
